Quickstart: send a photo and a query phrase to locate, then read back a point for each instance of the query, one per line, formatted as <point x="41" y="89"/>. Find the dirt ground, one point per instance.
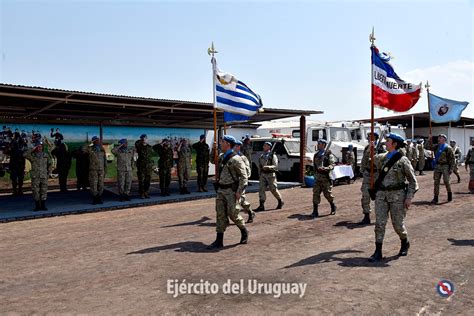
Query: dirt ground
<point x="119" y="262"/>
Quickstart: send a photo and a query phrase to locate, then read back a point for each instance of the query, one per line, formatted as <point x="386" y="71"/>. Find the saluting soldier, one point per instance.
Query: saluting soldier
<point x="165" y="164"/>
<point x="144" y="165"/>
<point x="231" y="182"/>
<point x="243" y="200"/>
<point x="323" y="164"/>
<point x="124" y="156"/>
<point x="457" y="158"/>
<point x="202" y="162"/>
<point x="40" y="169"/>
<point x="97" y="169"/>
<point x="184" y="165"/>
<point x="267" y="167"/>
<point x="16" y="149"/>
<point x="63" y="164"/>
<point x="394" y="190"/>
<point x="421" y="156"/>
<point x="470" y="162"/>
<point x="82" y="167"/>
<point x="443" y="165"/>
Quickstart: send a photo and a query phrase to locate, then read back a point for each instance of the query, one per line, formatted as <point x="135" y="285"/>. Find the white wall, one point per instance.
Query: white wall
<point x="461" y="135"/>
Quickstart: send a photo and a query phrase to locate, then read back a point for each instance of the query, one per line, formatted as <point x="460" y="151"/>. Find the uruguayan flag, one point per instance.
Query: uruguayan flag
<point x="233" y="96"/>
<point x="445" y="110"/>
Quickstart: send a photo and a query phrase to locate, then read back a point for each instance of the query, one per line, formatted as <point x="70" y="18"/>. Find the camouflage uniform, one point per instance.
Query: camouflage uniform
<point x="63" y="164"/>
<point x="97" y="169"/>
<point x="144" y="166"/>
<point x="267" y="166"/>
<point x="124" y="168"/>
<point x="470" y="162"/>
<point x="443" y="168"/>
<point x="391" y="195"/>
<point x="247" y="150"/>
<point x="412" y="155"/>
<point x="457" y="156"/>
<point x="365" y="169"/>
<point x="323" y="165"/>
<point x="17" y="165"/>
<point x="243" y="199"/>
<point x="350" y="160"/>
<point x="202" y="163"/>
<point x="226" y="205"/>
<point x="421" y="157"/>
<point x="184" y="165"/>
<point x="40" y="169"/>
<point x="165" y="164"/>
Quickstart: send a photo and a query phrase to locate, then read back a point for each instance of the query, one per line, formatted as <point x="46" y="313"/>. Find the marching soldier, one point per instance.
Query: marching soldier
<point x="184" y="165"/>
<point x="97" y="169"/>
<point x="16" y="149"/>
<point x="443" y="165"/>
<point x="63" y="164"/>
<point x="243" y="200"/>
<point x="350" y="159"/>
<point x="365" y="169"/>
<point x="323" y="164"/>
<point x="40" y="169"/>
<point x="392" y="194"/>
<point x="247" y="148"/>
<point x="421" y="156"/>
<point x="267" y="167"/>
<point x="124" y="156"/>
<point x="470" y="162"/>
<point x="457" y="157"/>
<point x="202" y="162"/>
<point x="412" y="153"/>
<point x="231" y="183"/>
<point x="144" y="166"/>
<point x="165" y="164"/>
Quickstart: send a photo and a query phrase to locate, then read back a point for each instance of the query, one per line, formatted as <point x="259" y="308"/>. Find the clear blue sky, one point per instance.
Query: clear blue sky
<point x="299" y="55"/>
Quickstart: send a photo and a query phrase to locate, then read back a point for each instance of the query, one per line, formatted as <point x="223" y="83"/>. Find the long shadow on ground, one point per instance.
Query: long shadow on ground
<point x="200" y="222"/>
<point x="185" y="246"/>
<point x="461" y="242"/>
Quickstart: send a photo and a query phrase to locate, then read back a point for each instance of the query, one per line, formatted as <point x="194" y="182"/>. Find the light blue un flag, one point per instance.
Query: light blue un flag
<point x="445" y="110"/>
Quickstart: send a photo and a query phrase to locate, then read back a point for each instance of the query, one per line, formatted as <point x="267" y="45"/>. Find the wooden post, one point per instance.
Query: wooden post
<point x="302" y="147"/>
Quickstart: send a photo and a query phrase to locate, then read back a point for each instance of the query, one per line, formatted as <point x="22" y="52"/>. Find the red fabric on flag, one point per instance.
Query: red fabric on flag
<point x="394" y="102"/>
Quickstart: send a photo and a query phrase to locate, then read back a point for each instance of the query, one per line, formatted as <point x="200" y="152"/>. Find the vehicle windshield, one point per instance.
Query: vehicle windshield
<point x="340" y="134"/>
<point x="367" y="131"/>
<point x="294" y="147"/>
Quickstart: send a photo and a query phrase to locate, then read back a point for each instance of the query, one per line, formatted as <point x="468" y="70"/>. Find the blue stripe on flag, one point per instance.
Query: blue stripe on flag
<point x="232" y="117"/>
<point x="383" y="65"/>
<point x="237" y="104"/>
<point x="236" y="94"/>
<point x="243" y="86"/>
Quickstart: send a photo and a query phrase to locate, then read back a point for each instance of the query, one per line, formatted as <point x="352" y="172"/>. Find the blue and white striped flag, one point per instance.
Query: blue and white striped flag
<point x="234" y="96"/>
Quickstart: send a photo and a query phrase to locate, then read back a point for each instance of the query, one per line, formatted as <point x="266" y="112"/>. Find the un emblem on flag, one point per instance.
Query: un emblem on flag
<point x="443" y="109"/>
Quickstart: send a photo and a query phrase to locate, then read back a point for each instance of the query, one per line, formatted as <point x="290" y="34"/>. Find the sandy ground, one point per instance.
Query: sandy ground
<point x="119" y="262"/>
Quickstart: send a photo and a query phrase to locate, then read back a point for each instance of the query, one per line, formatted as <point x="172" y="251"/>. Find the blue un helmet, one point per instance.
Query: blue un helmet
<point x="397" y="138"/>
<point x="229" y="139"/>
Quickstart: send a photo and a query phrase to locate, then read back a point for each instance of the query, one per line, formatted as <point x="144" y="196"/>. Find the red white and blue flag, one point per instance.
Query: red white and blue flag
<point x="388" y="90"/>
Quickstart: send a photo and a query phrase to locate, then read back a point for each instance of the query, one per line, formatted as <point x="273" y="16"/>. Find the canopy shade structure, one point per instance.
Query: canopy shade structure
<point x="421" y="120"/>
<point x="25" y="104"/>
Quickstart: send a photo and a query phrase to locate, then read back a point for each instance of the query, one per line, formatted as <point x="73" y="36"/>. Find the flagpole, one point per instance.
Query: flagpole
<point x="211" y="51"/>
<point x="372" y="111"/>
<point x="427" y="86"/>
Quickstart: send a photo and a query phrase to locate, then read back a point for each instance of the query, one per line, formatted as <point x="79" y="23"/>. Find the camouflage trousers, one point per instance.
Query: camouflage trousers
<point x="414" y="162"/>
<point x="244" y="203"/>
<point x="227" y="207"/>
<point x="364" y="189"/>
<point x="39" y="186"/>
<point x="96" y="182"/>
<point x="183" y="174"/>
<point x="17" y="174"/>
<point x="144" y="179"/>
<point x="202" y="174"/>
<point x="456" y="169"/>
<point x="421" y="164"/>
<point x="390" y="202"/>
<point x="322" y="184"/>
<point x="441" y="171"/>
<point x="124" y="180"/>
<point x="165" y="178"/>
<point x="471" y="172"/>
<point x="268" y="180"/>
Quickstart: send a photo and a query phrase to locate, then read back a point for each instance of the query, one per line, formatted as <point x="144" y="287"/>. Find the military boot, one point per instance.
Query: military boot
<point x="200" y="189"/>
<point x="251" y="216"/>
<point x="315" y="211"/>
<point x="146" y="195"/>
<point x="37" y="206"/>
<point x="14" y="191"/>
<point x="404" y="247"/>
<point x="365" y="220"/>
<point x="20" y="190"/>
<point x="280" y="204"/>
<point x="377" y="256"/>
<point x="434" y="200"/>
<point x="181" y="191"/>
<point x="218" y="243"/>
<point x="94" y="200"/>
<point x="167" y="191"/>
<point x="126" y="197"/>
<point x="333" y="209"/>
<point x="260" y="208"/>
<point x="244" y="235"/>
<point x="186" y="191"/>
<point x="450" y="196"/>
<point x="43" y="205"/>
<point x="99" y="199"/>
<point x="204" y="188"/>
<point x="121" y="198"/>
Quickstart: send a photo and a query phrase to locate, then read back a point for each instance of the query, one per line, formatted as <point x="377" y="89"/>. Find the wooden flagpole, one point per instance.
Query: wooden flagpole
<point x="372" y="111"/>
<point x="211" y="51"/>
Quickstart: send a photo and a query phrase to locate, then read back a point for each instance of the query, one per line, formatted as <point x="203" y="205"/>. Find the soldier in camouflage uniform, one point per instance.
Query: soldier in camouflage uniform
<point x="365" y="169"/>
<point x="202" y="162"/>
<point x="323" y="165"/>
<point x="393" y="194"/>
<point x="412" y="153"/>
<point x="63" y="164"/>
<point x="16" y="149"/>
<point x="40" y="169"/>
<point x="97" y="169"/>
<point x="247" y="149"/>
<point x="443" y="165"/>
<point x="184" y="165"/>
<point x="165" y="164"/>
<point x="267" y="167"/>
<point x="232" y="180"/>
<point x="350" y="160"/>
<point x="470" y="162"/>
<point x="421" y="156"/>
<point x="144" y="166"/>
<point x="243" y="200"/>
<point x="124" y="156"/>
<point x="457" y="157"/>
